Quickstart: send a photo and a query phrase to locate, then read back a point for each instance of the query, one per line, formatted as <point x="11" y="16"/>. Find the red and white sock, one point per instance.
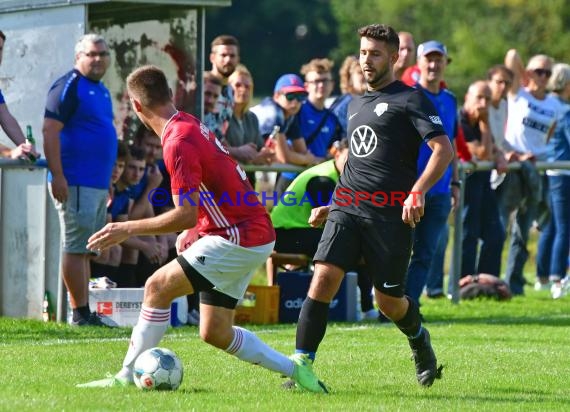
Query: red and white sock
<point x="147" y="333"/>
<point x="249" y="348"/>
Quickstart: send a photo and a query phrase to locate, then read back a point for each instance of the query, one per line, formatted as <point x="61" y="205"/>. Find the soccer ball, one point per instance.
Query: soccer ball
<point x="158" y="368"/>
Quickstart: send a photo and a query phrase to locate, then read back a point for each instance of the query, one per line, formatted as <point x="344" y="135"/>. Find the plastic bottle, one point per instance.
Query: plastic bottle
<point x="271" y="139"/>
<point x="48" y="314"/>
<point x="30" y="140"/>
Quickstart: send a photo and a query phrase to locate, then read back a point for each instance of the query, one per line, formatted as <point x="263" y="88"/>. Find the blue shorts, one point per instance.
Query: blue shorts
<point x="80" y="216"/>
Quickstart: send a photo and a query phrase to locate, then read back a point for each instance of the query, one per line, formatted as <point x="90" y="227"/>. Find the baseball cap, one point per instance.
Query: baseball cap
<point x="431" y="47"/>
<point x="289" y="83"/>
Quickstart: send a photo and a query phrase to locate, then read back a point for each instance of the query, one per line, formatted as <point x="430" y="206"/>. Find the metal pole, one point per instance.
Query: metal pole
<point x="455" y="266"/>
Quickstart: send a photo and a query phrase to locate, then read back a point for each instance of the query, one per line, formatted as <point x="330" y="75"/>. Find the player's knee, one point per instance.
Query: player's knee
<point x="157" y="288"/>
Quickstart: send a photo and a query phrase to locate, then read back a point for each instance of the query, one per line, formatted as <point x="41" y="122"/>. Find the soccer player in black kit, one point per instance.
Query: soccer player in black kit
<point x="378" y="200"/>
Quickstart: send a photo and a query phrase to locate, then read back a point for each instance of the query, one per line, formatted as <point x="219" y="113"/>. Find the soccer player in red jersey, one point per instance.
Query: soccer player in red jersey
<point x="231" y="236"/>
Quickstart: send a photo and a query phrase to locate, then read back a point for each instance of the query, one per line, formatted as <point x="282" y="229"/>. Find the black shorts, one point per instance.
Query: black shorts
<point x="385" y="247"/>
<point x="303" y="241"/>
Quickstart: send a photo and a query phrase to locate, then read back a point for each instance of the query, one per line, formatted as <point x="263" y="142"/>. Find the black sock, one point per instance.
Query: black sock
<point x="411" y="323"/>
<point x="312" y="326"/>
<point x="365" y="286"/>
<point x="81" y="312"/>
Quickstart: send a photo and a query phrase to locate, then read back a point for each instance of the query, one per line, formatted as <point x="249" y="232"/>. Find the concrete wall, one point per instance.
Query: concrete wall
<point x="39" y="49"/>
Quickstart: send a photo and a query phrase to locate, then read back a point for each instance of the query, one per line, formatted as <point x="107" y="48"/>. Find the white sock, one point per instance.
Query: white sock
<point x="249" y="348"/>
<point x="146" y="334"/>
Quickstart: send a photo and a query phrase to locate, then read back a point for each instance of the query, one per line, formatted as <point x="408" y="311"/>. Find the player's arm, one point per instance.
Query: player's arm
<point x="514" y="62"/>
<point x="51" y="131"/>
<point x="11" y="126"/>
<point x="438" y="162"/>
<point x="183" y="216"/>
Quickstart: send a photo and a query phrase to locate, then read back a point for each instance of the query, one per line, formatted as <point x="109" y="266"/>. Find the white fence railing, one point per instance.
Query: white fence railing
<point x="30" y="237"/>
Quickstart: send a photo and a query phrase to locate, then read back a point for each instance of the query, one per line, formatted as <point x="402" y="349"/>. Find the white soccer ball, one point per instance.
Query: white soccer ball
<point x="158" y="368"/>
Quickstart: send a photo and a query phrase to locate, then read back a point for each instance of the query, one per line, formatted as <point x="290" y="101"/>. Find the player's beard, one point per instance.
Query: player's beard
<point x="226" y="70"/>
<point x="378" y="79"/>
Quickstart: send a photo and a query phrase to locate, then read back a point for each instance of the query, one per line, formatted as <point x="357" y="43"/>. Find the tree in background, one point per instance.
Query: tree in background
<point x="278" y="37"/>
<point x="275" y="37"/>
<point x="477" y="33"/>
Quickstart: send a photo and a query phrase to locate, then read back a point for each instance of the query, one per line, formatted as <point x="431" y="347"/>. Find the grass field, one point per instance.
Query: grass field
<point x="498" y="356"/>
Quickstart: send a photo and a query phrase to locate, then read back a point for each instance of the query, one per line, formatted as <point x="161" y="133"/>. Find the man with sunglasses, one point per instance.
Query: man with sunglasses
<point x="319" y="125"/>
<point x="531" y="119"/>
<point x="80" y="144"/>
<point x="279" y="112"/>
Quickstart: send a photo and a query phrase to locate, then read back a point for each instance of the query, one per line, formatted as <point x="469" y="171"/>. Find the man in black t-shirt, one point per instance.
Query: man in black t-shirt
<point x="378" y="200"/>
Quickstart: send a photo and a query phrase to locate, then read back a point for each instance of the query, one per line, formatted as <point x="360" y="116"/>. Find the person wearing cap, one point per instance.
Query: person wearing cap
<point x="432" y="60"/>
<point x="319" y="125"/>
<point x="278" y="114"/>
<point x="531" y="120"/>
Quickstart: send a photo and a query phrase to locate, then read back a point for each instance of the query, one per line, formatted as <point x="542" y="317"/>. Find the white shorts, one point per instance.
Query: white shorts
<point x="229" y="267"/>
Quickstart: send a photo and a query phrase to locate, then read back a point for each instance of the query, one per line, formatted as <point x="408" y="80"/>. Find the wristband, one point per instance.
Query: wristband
<point x="456" y="183"/>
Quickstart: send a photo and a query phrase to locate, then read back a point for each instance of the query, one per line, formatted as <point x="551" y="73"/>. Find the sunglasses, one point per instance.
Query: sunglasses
<point x="301" y="97"/>
<point x="543" y="72"/>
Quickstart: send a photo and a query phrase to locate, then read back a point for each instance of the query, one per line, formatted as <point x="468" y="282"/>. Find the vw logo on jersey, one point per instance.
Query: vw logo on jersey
<point x="363" y="141"/>
<point x="380" y="109"/>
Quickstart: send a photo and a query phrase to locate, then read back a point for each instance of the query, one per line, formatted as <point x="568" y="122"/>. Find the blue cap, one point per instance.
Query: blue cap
<point x="289" y="83"/>
<point x="433" y="46"/>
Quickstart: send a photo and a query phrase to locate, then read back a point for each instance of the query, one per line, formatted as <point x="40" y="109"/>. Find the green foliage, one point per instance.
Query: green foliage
<point x="477" y="32"/>
<point x="497" y="356"/>
<point x="275" y="37"/>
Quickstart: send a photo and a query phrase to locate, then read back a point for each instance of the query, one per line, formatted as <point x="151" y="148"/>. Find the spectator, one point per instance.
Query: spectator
<point x="432" y="62"/>
<point x="224" y="56"/>
<point x="352" y="84"/>
<point x="80" y="144"/>
<point x="212" y="90"/>
<point x="319" y="126"/>
<point x="234" y="240"/>
<point x="136" y="267"/>
<point x="554" y="241"/>
<point x="499" y="80"/>
<point x="11" y="126"/>
<point x="279" y="111"/>
<point x="530" y="122"/>
<point x="108" y="261"/>
<point x="405" y="54"/>
<point x="243" y="138"/>
<point x="481" y="221"/>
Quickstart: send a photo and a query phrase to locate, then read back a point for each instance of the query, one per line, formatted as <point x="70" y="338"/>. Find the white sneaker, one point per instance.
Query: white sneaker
<point x="560" y="289"/>
<point x="538" y="286"/>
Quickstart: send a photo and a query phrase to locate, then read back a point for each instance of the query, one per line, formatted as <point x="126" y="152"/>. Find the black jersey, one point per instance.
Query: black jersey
<point x="386" y="129"/>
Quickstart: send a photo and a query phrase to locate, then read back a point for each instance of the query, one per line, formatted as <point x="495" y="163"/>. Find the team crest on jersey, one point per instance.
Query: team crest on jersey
<point x="380" y="109"/>
<point x="363" y="141"/>
<point x="436" y="120"/>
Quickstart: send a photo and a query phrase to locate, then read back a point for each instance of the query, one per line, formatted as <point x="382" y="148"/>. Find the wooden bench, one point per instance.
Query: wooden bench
<point x="284" y="260"/>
